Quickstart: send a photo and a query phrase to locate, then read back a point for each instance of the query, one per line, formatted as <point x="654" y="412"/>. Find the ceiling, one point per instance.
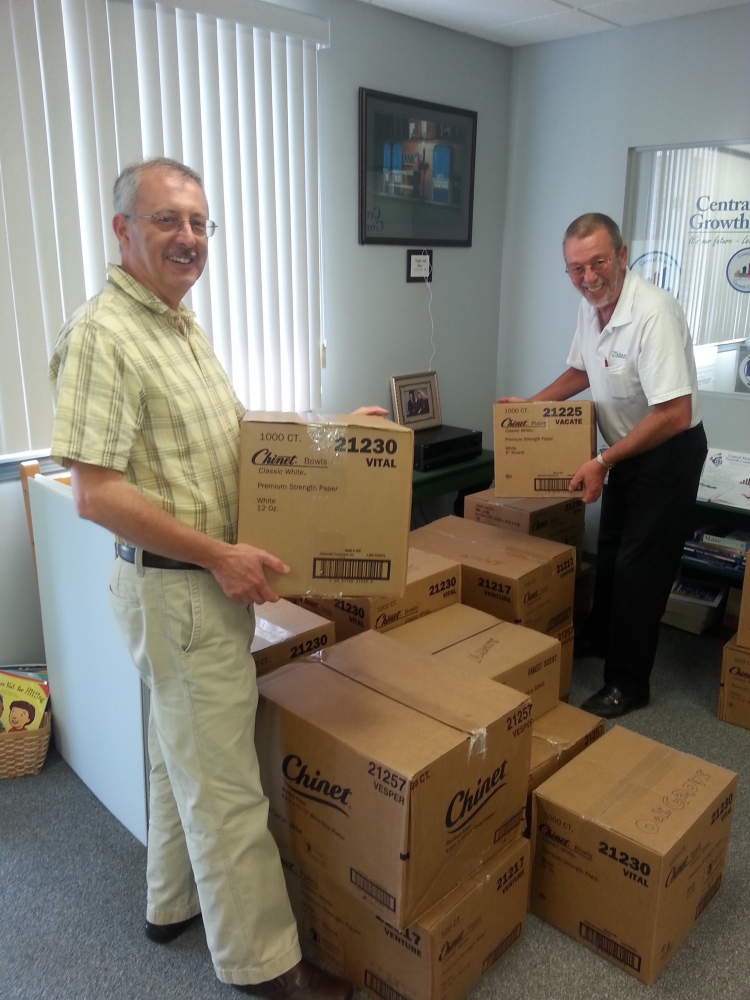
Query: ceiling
<point x="524" y="22"/>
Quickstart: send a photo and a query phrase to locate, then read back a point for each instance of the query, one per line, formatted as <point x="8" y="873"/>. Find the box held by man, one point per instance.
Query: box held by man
<point x="331" y="496"/>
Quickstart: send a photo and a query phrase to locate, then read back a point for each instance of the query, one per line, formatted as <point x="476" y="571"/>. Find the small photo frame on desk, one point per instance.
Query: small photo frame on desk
<point x="416" y="403"/>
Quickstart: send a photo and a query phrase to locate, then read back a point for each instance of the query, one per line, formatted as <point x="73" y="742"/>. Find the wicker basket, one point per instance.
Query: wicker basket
<point x="25" y="752"/>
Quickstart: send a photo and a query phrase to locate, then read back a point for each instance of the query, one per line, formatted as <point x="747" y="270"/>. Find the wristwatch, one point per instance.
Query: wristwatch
<point x="604" y="465"/>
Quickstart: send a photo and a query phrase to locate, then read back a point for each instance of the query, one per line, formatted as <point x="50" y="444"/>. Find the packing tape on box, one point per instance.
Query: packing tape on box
<point x="478" y="743"/>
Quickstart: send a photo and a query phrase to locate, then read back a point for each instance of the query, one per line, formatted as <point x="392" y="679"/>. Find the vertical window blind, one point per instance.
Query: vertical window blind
<point x="228" y="87"/>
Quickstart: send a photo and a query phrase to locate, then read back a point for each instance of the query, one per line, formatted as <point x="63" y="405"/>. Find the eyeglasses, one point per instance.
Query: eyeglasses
<point x="170" y="222"/>
<point x="597" y="266"/>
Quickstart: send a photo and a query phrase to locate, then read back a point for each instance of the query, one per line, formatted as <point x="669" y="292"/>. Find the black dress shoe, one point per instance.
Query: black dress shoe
<point x="304" y="981"/>
<point x="164" y="933"/>
<point x="611" y="702"/>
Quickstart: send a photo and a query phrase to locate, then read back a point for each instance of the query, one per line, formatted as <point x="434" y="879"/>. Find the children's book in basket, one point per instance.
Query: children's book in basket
<point x="24" y="693"/>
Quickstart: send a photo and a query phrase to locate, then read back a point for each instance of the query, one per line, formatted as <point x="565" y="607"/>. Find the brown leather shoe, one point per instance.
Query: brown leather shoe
<point x="164" y="933"/>
<point x="303" y="982"/>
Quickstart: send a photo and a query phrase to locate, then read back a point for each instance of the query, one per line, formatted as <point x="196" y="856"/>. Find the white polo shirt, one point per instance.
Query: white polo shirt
<point x="643" y="356"/>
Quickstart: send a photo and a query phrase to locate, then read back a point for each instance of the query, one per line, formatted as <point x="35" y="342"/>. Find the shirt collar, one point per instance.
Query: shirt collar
<point x="623" y="313"/>
<point x="126" y="283"/>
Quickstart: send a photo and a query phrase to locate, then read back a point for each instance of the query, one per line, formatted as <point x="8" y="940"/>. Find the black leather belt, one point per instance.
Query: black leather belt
<point x="151" y="560"/>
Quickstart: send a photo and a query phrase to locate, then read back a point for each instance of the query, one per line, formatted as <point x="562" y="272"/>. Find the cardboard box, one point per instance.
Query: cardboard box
<point x="432" y="583"/>
<point x="388" y="774"/>
<point x="743" y="627"/>
<point x="331" y="496"/>
<point x="558" y="737"/>
<point x="284" y="631"/>
<point x="440" y="956"/>
<point x="519" y="578"/>
<point x="445" y="628"/>
<point x="557" y="520"/>
<point x="629" y="843"/>
<point x="565" y="634"/>
<point x="540" y="446"/>
<point x="734" y="690"/>
<point x="525" y="660"/>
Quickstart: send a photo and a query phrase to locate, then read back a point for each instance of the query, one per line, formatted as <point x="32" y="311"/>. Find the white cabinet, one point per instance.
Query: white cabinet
<point x="97" y="698"/>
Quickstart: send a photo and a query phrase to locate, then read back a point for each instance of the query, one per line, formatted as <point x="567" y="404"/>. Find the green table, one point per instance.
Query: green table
<point x="475" y="473"/>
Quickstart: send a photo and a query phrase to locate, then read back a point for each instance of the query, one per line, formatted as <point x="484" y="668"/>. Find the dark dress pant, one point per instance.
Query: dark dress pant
<point x="647" y="511"/>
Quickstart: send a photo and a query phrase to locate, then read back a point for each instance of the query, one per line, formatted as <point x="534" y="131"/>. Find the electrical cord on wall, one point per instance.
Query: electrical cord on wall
<point x="428" y="284"/>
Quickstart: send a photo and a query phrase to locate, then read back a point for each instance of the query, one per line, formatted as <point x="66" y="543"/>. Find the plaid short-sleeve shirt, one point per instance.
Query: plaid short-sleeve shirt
<point x="139" y="390"/>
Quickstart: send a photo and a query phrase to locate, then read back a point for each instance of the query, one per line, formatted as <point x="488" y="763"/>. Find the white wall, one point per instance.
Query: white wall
<point x="376" y="325"/>
<point x="577" y="106"/>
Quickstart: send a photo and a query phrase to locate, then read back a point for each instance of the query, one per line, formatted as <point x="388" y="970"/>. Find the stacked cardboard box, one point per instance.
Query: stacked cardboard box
<point x="629" y="843"/>
<point x="520" y="578"/>
<point x="432" y="583"/>
<point x="473" y="643"/>
<point x="558" y="520"/>
<point x="734" y="691"/>
<point x="284" y="632"/>
<point x="443" y="952"/>
<point x="393" y="778"/>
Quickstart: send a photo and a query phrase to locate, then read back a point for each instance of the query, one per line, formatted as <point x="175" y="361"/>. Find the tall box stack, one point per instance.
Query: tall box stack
<point x="519" y="578"/>
<point x="331" y="496"/>
<point x="441" y="955"/>
<point x="629" y="844"/>
<point x="540" y="446"/>
<point x="743" y="626"/>
<point x="432" y="583"/>
<point x="391" y="777"/>
<point x="734" y="689"/>
<point x="559" y="520"/>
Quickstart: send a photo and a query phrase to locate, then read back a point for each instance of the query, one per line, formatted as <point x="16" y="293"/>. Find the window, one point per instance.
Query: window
<point x="228" y="87"/>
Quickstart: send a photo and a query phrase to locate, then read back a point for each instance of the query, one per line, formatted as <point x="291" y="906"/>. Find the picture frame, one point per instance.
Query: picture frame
<point x="416" y="171"/>
<point x="416" y="402"/>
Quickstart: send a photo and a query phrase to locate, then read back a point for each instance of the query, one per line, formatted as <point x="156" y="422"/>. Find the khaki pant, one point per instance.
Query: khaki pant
<point x="209" y="848"/>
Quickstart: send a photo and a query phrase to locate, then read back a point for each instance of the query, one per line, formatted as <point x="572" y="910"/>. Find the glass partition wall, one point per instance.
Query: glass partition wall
<point x="687" y="226"/>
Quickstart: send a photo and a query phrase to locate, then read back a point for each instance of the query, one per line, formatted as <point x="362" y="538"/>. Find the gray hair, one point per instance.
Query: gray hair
<point x="127" y="185"/>
<point x="587" y="224"/>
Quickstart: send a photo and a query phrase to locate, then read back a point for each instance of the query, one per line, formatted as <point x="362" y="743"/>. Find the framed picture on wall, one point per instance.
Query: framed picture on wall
<point x="416" y="171"/>
<point x="415" y="400"/>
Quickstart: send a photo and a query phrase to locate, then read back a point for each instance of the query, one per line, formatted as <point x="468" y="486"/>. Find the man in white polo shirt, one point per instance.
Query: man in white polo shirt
<point x="632" y="348"/>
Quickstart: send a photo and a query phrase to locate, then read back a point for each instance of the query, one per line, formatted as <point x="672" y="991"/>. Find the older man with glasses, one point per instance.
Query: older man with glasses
<point x="633" y="350"/>
<point x="148" y="423"/>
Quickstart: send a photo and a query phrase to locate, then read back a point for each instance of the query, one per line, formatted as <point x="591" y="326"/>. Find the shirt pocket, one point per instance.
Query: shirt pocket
<point x="620" y="382"/>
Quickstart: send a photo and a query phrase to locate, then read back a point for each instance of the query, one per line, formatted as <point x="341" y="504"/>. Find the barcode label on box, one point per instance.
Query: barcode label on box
<point x="351" y="569"/>
<point x="707" y="897"/>
<point x="381" y="989"/>
<point x="498" y="952"/>
<point x="509" y="825"/>
<point x="372" y="889"/>
<point x="602" y="943"/>
<point x="544" y="483"/>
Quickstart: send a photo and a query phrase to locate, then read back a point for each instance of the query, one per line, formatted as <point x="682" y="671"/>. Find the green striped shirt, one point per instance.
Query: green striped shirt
<point x="139" y="390"/>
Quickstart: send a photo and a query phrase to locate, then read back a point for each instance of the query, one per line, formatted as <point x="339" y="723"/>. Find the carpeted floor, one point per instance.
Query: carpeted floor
<point x="72" y="882"/>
